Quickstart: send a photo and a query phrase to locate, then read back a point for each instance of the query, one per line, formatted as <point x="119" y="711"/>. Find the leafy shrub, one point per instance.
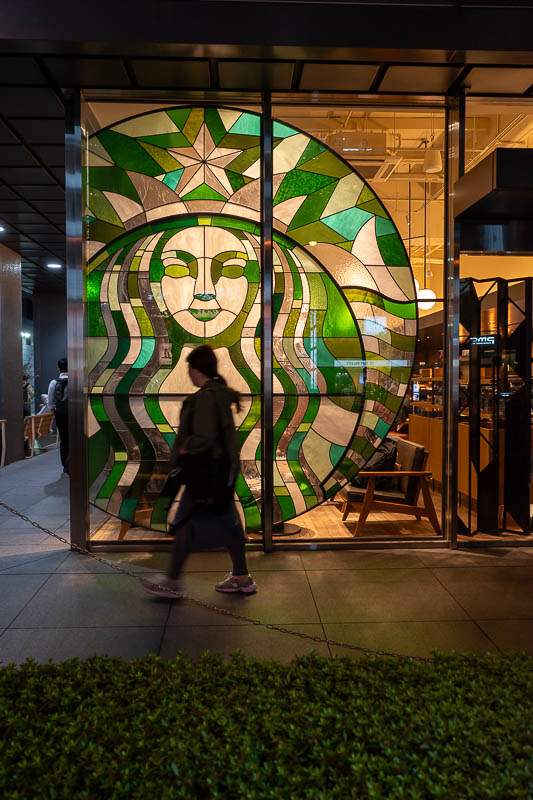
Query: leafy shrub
<point x="374" y="728"/>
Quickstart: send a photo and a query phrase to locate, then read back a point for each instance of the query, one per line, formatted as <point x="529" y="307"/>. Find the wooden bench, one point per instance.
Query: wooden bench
<point x="37" y="425"/>
<point x="413" y="480"/>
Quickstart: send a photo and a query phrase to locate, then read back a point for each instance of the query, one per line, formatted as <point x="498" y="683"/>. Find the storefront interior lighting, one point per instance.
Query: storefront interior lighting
<point x="54" y="265"/>
<point x="25" y="334"/>
<point x="312" y="244"/>
<point x="2" y="229"/>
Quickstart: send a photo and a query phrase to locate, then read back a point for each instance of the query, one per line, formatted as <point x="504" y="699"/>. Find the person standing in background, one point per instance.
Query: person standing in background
<point x="58" y="402"/>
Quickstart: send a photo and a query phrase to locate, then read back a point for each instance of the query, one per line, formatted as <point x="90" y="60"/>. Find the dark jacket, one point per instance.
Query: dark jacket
<point x="206" y="423"/>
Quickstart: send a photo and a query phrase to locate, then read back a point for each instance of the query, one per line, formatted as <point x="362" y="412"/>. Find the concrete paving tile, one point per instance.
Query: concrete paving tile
<point x="491" y="592"/>
<point x="360" y="559"/>
<point x="23" y="537"/>
<point x="16" y="591"/>
<point x="58" y="644"/>
<point x="249" y="639"/>
<point x="220" y="562"/>
<point x="78" y="601"/>
<point x="83" y="564"/>
<point x="510" y="635"/>
<point x="27" y="560"/>
<point x="410" y="638"/>
<point x="482" y="557"/>
<point x="282" y="597"/>
<point x="384" y="595"/>
<point x="184" y="613"/>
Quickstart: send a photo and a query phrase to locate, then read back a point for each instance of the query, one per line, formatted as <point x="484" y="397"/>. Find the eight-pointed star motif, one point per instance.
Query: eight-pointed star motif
<point x="204" y="163"/>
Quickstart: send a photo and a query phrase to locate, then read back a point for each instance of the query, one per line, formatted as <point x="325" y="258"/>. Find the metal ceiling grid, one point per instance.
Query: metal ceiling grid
<point x="32" y="182"/>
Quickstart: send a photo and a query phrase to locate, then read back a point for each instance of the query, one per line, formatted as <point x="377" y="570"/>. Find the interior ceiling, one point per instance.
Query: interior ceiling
<point x="386" y="147"/>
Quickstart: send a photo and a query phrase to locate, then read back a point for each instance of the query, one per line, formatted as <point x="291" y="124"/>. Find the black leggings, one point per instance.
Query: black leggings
<point x="182" y="546"/>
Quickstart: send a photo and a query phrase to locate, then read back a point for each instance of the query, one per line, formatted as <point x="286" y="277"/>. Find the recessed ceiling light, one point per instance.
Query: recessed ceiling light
<point x="54" y="265"/>
<point x="2" y="229"/>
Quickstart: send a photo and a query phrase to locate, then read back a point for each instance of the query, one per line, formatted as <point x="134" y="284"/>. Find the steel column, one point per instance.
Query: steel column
<point x="267" y="433"/>
<point x="451" y="293"/>
<point x="79" y="500"/>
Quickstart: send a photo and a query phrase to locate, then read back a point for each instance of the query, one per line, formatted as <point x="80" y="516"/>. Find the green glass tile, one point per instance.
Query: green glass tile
<point x="172" y="178"/>
<point x="204" y="192"/>
<point x="374" y="207"/>
<point x="407" y="343"/>
<point x="312" y="207"/>
<point x="348" y="222"/>
<point x="310" y="501"/>
<point x="384" y="227"/>
<point x="238" y="141"/>
<point x="405" y="310"/>
<point x="317" y="232"/>
<point x="392" y="250"/>
<point x="165" y="140"/>
<point x="293" y="449"/>
<point x="97" y="405"/>
<point x="366" y="195"/>
<point x="127" y="508"/>
<point x="154" y="410"/>
<point x="312" y="150"/>
<point x="249" y="124"/>
<point x="95" y="321"/>
<point x="93" y="285"/>
<point x="98" y="453"/>
<point x="112" y="179"/>
<point x="123" y="345"/>
<point x="382" y="428"/>
<point x="195" y="120"/>
<point x="179" y="116"/>
<point x="336" y="452"/>
<point x="133" y="285"/>
<point x="215" y="124"/>
<point x="327" y="163"/>
<point x="127" y="153"/>
<point x="165" y="160"/>
<point x="287" y="507"/>
<point x="297" y="183"/>
<point x="393" y="402"/>
<point x="102" y="208"/>
<point x="282" y="131"/>
<point x="236" y="180"/>
<point x="100" y="231"/>
<point x="147" y="351"/>
<point x="319" y="296"/>
<point x="113" y="478"/>
<point x="281" y="490"/>
<point x="339" y="320"/>
<point x="348" y="347"/>
<point x="144" y="322"/>
<point x="246" y="159"/>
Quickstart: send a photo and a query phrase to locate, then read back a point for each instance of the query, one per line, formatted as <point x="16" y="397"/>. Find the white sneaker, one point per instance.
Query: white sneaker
<point x="230" y="584"/>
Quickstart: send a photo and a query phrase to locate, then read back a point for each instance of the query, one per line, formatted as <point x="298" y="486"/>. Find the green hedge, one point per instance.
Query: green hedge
<point x="250" y="730"/>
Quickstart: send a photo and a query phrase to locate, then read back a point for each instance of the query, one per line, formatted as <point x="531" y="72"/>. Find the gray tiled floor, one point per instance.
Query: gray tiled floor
<point x="57" y="604"/>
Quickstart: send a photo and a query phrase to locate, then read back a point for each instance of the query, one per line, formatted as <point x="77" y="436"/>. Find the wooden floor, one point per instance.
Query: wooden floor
<point x="325" y="522"/>
<point x="322" y="522"/>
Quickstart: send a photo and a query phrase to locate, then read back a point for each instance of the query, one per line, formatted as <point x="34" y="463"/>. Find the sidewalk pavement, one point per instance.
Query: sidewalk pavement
<point x="57" y="604"/>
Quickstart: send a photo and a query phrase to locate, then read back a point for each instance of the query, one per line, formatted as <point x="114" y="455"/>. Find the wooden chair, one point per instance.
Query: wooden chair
<point x="37" y="425"/>
<point x="413" y="481"/>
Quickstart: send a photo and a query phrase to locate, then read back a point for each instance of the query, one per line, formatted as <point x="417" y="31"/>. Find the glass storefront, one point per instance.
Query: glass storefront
<point x="175" y="231"/>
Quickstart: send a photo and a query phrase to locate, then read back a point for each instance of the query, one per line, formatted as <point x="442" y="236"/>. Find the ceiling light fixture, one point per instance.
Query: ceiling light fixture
<point x="312" y="244"/>
<point x="54" y="265"/>
<point x="2" y="229"/>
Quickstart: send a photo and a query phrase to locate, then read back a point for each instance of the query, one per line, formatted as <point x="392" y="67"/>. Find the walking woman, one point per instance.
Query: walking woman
<point x="206" y="455"/>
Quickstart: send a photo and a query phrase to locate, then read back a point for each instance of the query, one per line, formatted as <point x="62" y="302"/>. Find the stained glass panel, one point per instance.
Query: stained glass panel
<point x="172" y="217"/>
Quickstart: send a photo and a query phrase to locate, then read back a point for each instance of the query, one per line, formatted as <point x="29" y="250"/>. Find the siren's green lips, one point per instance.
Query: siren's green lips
<point x="204" y="314"/>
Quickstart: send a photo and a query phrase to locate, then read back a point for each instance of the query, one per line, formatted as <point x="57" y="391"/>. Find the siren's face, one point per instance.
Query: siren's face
<point x="205" y="284"/>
